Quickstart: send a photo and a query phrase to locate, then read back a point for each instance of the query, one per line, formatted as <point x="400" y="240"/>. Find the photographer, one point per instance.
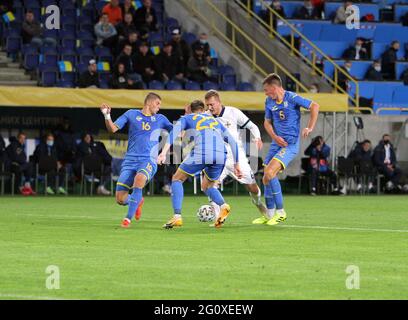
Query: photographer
<point x="319" y="152"/>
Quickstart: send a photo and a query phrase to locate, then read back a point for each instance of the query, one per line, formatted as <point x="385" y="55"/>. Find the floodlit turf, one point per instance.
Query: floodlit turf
<point x="304" y="258"/>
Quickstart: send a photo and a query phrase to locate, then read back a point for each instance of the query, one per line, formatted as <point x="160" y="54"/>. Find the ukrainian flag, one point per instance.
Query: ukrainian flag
<point x="8" y="17"/>
<point x="155" y="50"/>
<point x="65" y="66"/>
<point x="103" y="66"/>
<point x="137" y="4"/>
<point x="213" y="53"/>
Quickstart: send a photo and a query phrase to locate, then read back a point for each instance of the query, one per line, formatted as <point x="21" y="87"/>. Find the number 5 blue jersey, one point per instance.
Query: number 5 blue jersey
<point x="144" y="133"/>
<point x="209" y="135"/>
<point x="285" y="115"/>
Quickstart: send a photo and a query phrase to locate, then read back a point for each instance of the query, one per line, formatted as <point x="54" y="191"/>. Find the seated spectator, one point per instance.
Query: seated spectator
<point x="342" y="79"/>
<point x="203" y="41"/>
<point x="113" y="11"/>
<point x="127" y="59"/>
<point x="356" y="52"/>
<point x="314" y="88"/>
<point x="341" y="13"/>
<point x="144" y="63"/>
<point x="386" y="162"/>
<point x="276" y="6"/>
<point x="65" y="142"/>
<point x="89" y="79"/>
<point x="105" y="32"/>
<point x="319" y="5"/>
<point x="363" y="152"/>
<point x="32" y="32"/>
<point x="125" y="27"/>
<point x="132" y="40"/>
<point x="127" y="7"/>
<point x="374" y="72"/>
<point x="404" y="76"/>
<point x="307" y="11"/>
<point x="198" y="66"/>
<point x="145" y="17"/>
<point x="2" y="152"/>
<point x="88" y="146"/>
<point x="120" y="79"/>
<point x="180" y="47"/>
<point x="47" y="148"/>
<point x="388" y="59"/>
<point x="319" y="153"/>
<point x="19" y="164"/>
<point x="168" y="66"/>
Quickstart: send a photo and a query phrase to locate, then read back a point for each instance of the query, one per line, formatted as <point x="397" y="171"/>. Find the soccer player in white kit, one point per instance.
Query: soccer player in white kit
<point x="233" y="119"/>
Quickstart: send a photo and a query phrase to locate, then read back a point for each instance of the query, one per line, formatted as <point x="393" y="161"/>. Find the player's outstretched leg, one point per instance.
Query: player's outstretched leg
<point x="135" y="199"/>
<point x="211" y="190"/>
<point x="177" y="195"/>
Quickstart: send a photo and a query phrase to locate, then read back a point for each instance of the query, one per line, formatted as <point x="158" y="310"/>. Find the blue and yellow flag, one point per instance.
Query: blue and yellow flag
<point x="103" y="66"/>
<point x="137" y="4"/>
<point x="8" y="17"/>
<point x="213" y="53"/>
<point x="65" y="66"/>
<point x="155" y="50"/>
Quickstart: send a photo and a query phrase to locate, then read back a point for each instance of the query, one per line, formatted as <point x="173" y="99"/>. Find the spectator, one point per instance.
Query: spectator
<point x="127" y="60"/>
<point x="132" y="40"/>
<point x="144" y="63"/>
<point x="356" y="52"/>
<point x="203" y="41"/>
<point x="363" y="152"/>
<point x="105" y="32"/>
<point x="342" y="13"/>
<point x="65" y="142"/>
<point x="19" y="164"/>
<point x="168" y="66"/>
<point x="2" y="152"/>
<point x="388" y="58"/>
<point x="307" y="11"/>
<point x="113" y="11"/>
<point x="342" y="79"/>
<point x="47" y="148"/>
<point x="314" y="88"/>
<point x="125" y="27"/>
<point x="404" y="76"/>
<point x="88" y="146"/>
<point x="276" y="6"/>
<point x="198" y="66"/>
<point x="374" y="72"/>
<point x="145" y="17"/>
<point x="89" y="79"/>
<point x="180" y="47"/>
<point x="127" y="7"/>
<point x="386" y="163"/>
<point x="319" y="5"/>
<point x="319" y="153"/>
<point x="120" y="79"/>
<point x="32" y="32"/>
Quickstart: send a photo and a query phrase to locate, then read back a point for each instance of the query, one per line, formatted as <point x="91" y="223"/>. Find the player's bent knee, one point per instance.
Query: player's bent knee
<point x="140" y="181"/>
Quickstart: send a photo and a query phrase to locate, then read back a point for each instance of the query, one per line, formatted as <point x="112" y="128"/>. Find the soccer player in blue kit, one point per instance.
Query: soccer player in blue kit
<point x="282" y="123"/>
<point x="140" y="163"/>
<point x="208" y="156"/>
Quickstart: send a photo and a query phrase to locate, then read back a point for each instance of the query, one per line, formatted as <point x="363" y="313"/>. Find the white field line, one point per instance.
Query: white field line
<point x="27" y="297"/>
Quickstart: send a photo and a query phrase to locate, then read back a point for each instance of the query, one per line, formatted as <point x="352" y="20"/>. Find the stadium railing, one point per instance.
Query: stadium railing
<point x="257" y="52"/>
<point x="315" y="51"/>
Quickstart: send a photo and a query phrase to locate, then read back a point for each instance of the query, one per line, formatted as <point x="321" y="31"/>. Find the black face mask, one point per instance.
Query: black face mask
<point x="386" y="142"/>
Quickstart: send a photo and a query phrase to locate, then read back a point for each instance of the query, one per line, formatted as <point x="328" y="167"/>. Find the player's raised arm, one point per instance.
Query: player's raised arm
<point x="106" y="111"/>
<point x="314" y="113"/>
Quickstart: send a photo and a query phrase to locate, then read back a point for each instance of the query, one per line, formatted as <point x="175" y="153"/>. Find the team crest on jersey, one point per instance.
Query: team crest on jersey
<point x="275" y="108"/>
<point x="139" y="118"/>
<point x="153" y="118"/>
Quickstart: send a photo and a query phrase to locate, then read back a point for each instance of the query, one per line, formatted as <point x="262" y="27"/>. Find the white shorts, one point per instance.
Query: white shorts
<point x="248" y="176"/>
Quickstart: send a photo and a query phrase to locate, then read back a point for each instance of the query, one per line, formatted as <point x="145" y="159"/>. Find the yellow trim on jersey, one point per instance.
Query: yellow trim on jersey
<point x="190" y="174"/>
<point x="123" y="185"/>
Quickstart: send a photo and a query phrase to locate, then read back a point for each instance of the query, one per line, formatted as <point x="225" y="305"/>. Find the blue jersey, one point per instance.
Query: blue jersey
<point x="285" y="116"/>
<point x="208" y="134"/>
<point x="144" y="133"/>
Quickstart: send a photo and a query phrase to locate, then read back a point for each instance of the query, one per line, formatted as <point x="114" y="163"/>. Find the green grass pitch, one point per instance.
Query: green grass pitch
<point x="304" y="258"/>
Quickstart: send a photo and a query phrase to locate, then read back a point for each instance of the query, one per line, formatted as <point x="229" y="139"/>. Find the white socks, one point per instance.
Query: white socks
<point x="256" y="199"/>
<point x="270" y="213"/>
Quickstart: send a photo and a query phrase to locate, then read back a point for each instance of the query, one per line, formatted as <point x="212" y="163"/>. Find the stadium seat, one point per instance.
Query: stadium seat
<point x="291" y="7"/>
<point x="65" y="84"/>
<point x="400" y="67"/>
<point x="245" y="86"/>
<point x="227" y="87"/>
<point x="332" y="32"/>
<point x="379" y="48"/>
<point x="68" y="54"/>
<point x="192" y="86"/>
<point x="208" y="85"/>
<point x="48" y="78"/>
<point x="13" y="44"/>
<point x="31" y="61"/>
<point x="189" y="37"/>
<point x="85" y="54"/>
<point x="103" y="54"/>
<point x="400" y="95"/>
<point x="156" y="85"/>
<point x="400" y="11"/>
<point x="174" y="85"/>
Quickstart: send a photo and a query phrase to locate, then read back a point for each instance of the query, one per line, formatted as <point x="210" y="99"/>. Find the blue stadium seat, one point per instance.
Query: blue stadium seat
<point x="13" y="44"/>
<point x="400" y="95"/>
<point x="103" y="54"/>
<point x="332" y="32"/>
<point x="333" y="49"/>
<point x="227" y="87"/>
<point x="48" y="78"/>
<point x="192" y="86"/>
<point x="245" y="86"/>
<point x="65" y="84"/>
<point x="366" y="89"/>
<point x="312" y="31"/>
<point x="367" y="30"/>
<point x="31" y="61"/>
<point x="208" y="85"/>
<point x="82" y="67"/>
<point x="291" y="7"/>
<point x="400" y="67"/>
<point x="189" y="37"/>
<point x="399" y="12"/>
<point x="85" y="54"/>
<point x="171" y="23"/>
<point x="156" y="85"/>
<point x="379" y="48"/>
<point x="174" y="85"/>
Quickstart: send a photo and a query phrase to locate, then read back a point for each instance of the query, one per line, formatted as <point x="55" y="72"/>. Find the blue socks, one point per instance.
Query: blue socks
<point x="269" y="198"/>
<point x="177" y="194"/>
<point x="134" y="201"/>
<point x="215" y="195"/>
<point x="277" y="192"/>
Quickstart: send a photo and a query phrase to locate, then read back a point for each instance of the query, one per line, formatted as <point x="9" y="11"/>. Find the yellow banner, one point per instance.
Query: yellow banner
<point x="92" y="98"/>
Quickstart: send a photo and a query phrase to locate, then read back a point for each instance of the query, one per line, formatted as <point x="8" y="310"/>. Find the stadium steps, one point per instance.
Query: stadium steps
<point x="11" y="74"/>
<point x="26" y="83"/>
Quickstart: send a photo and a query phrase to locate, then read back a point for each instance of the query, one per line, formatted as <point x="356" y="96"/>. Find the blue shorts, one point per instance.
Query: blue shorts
<point x="129" y="170"/>
<point x="211" y="170"/>
<point x="282" y="154"/>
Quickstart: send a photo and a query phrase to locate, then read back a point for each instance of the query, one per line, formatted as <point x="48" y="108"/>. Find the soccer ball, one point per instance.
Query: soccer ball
<point x="206" y="213"/>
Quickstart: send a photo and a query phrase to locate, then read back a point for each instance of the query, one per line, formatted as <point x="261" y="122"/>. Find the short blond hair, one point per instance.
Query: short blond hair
<point x="273" y="78"/>
<point x="212" y="93"/>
